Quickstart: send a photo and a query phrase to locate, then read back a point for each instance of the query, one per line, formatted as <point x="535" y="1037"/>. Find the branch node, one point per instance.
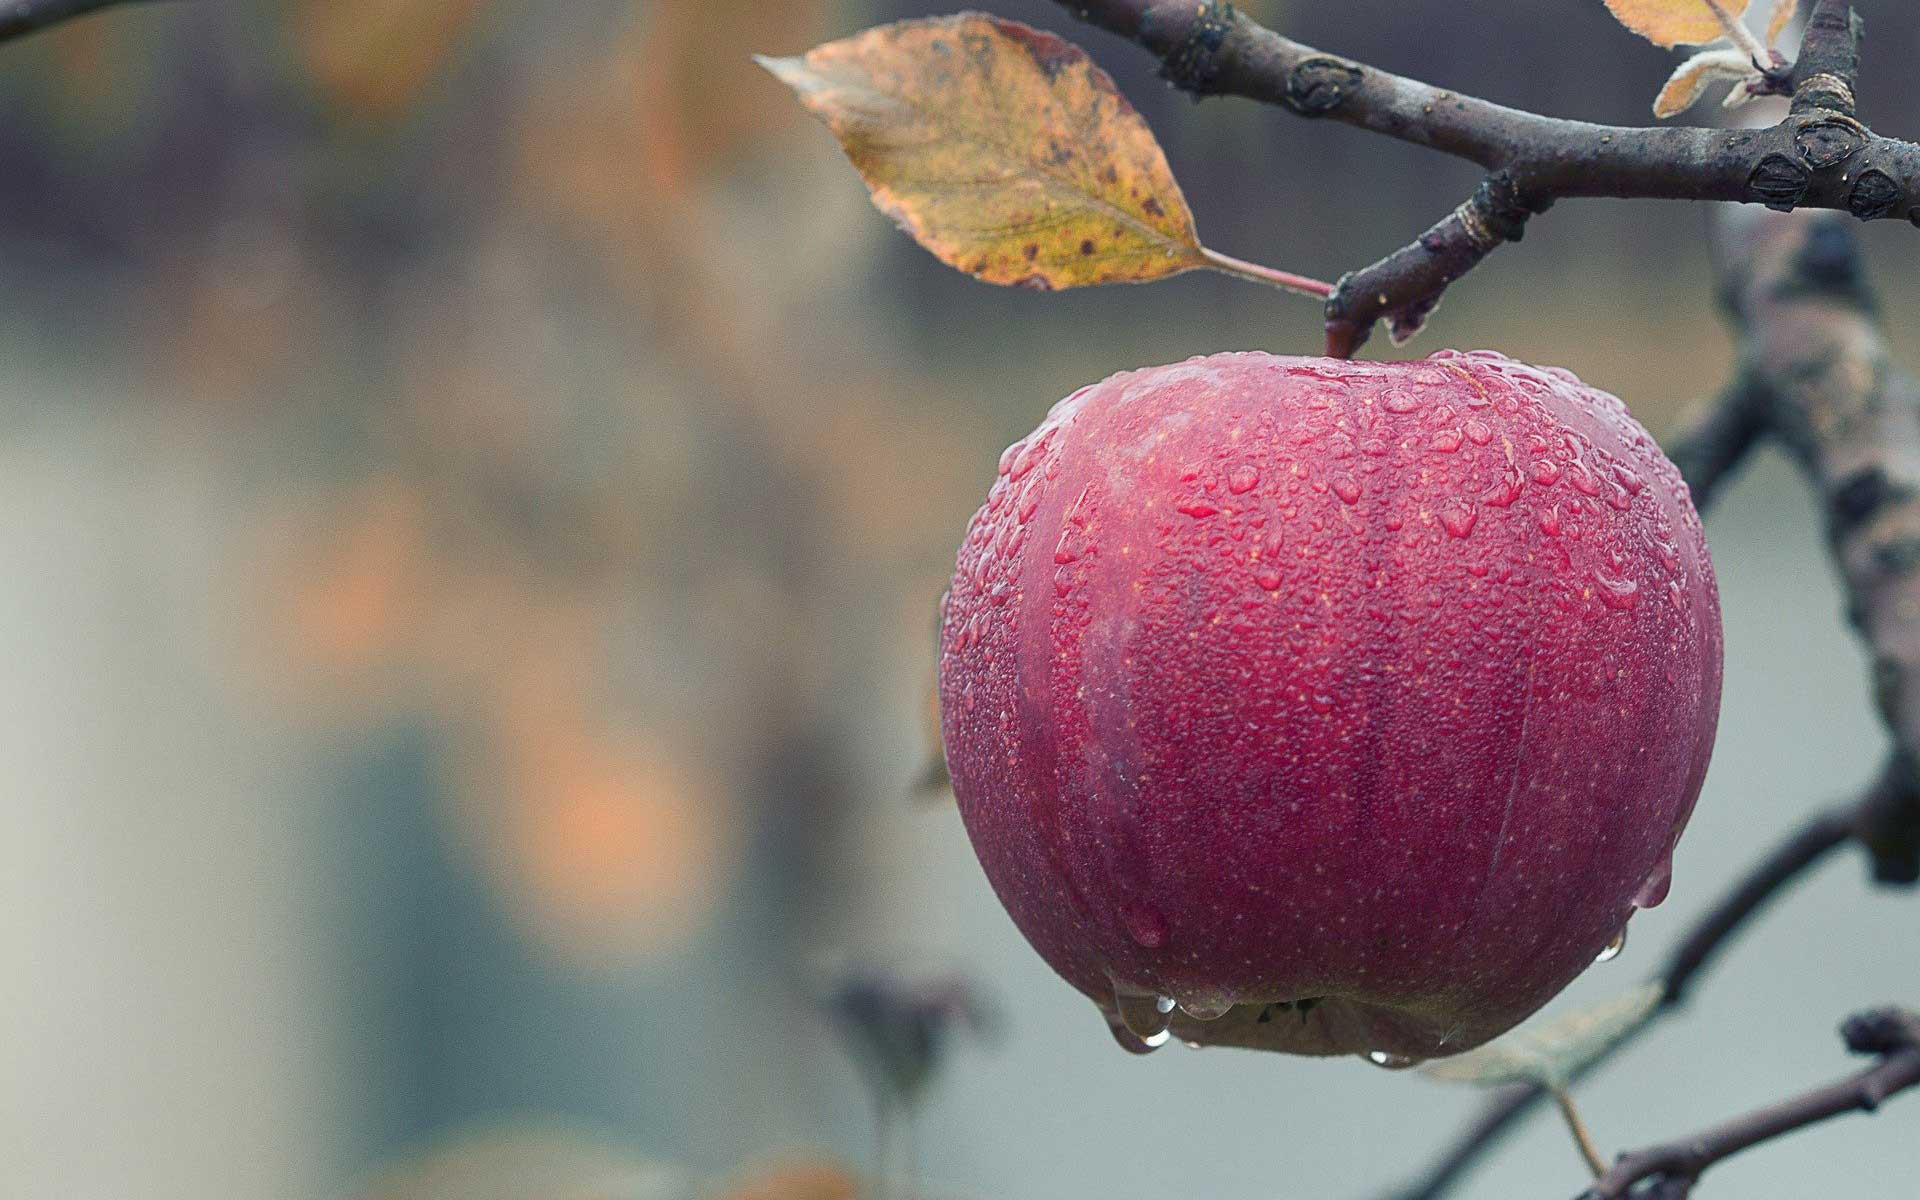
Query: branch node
<point x="1875" y="194"/>
<point x="1193" y="65"/>
<point x="1881" y="1031"/>
<point x="1825" y="90"/>
<point x="1828" y="141"/>
<point x="1889" y="822"/>
<point x="1779" y="182"/>
<point x="1318" y="85"/>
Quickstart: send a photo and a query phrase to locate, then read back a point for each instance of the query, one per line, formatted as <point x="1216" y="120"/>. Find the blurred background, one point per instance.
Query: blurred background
<point x="475" y="483"/>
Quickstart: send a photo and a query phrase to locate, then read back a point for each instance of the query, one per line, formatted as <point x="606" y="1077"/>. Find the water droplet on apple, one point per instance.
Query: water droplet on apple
<point x="1206" y="1006"/>
<point x="1347" y="490"/>
<point x="1459" y="521"/>
<point x="1617" y="594"/>
<point x="1242" y="479"/>
<point x="1145" y="926"/>
<point x="1009" y="454"/>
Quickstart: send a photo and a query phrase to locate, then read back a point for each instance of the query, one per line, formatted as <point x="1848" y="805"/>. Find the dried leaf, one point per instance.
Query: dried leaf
<point x="1783" y="11"/>
<point x="1691" y="79"/>
<point x="1670" y="23"/>
<point x="1002" y="149"/>
<point x="1552" y="1053"/>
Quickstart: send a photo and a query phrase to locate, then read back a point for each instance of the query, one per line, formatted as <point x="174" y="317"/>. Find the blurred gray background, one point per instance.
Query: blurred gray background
<point x="476" y="478"/>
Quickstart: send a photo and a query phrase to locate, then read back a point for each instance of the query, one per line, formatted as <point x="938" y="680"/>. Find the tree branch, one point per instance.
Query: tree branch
<point x="1819" y="157"/>
<point x="1814" y="373"/>
<point x="1892" y="1034"/>
<point x="1765" y="880"/>
<point x="19" y="18"/>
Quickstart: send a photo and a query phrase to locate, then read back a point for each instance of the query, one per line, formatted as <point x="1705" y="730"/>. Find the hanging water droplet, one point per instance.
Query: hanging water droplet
<point x="1613" y="947"/>
<point x="1392" y="1062"/>
<point x="1132" y="1042"/>
<point x="1657" y="885"/>
<point x="1147" y="1017"/>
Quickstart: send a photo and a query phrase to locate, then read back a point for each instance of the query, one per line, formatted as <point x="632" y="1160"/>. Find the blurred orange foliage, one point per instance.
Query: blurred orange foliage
<point x="374" y="57"/>
<point x="800" y="1180"/>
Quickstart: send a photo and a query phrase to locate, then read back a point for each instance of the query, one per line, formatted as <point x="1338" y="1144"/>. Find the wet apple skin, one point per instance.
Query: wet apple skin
<point x="1383" y="686"/>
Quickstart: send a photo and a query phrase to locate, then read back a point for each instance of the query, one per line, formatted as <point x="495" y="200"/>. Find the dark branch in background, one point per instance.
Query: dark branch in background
<point x="1819" y="157"/>
<point x="1814" y="374"/>
<point x="18" y="18"/>
<point x="1892" y="1034"/>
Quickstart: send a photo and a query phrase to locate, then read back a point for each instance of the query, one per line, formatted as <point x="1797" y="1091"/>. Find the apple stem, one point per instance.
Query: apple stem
<point x="1286" y="280"/>
<point x="1741" y="36"/>
<point x="1582" y="1137"/>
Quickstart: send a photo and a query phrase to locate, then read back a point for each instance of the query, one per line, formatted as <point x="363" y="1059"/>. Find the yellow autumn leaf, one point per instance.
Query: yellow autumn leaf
<point x="1003" y="150"/>
<point x="1693" y="77"/>
<point x="1783" y="11"/>
<point x="1670" y="23"/>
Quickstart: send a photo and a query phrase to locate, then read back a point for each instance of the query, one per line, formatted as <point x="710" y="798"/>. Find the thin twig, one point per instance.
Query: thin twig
<point x="1740" y="35"/>
<point x="1892" y="1034"/>
<point x="18" y="18"/>
<point x="1582" y="1136"/>
<point x="1287" y="280"/>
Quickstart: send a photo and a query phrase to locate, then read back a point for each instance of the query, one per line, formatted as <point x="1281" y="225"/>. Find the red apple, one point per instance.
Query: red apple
<point x="1330" y="707"/>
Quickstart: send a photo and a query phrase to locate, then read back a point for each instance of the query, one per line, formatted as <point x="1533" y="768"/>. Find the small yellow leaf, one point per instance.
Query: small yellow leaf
<point x="1783" y="11"/>
<point x="1672" y="23"/>
<point x="1002" y="149"/>
<point x="1552" y="1052"/>
<point x="1691" y="79"/>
